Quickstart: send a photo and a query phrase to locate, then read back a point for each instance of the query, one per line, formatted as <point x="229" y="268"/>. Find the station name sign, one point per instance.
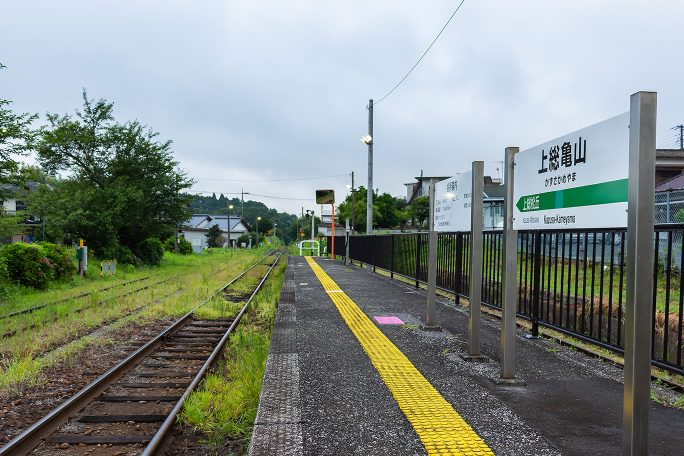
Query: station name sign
<point x="453" y="198"/>
<point x="576" y="181"/>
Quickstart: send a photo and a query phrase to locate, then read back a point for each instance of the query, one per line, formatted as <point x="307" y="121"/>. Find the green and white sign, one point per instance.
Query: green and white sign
<point x="576" y="181"/>
<point x="453" y="197"/>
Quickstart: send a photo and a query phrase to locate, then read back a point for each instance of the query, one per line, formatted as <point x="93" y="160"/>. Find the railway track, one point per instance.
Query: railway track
<point x="78" y="296"/>
<point x="80" y="309"/>
<point x="131" y="408"/>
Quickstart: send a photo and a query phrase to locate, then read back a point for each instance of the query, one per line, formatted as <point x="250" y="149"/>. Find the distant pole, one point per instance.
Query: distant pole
<point x="332" y="237"/>
<point x="369" y="190"/>
<point x="639" y="291"/>
<point x="510" y="262"/>
<point x="313" y="216"/>
<point x="353" y="203"/>
<point x="175" y="244"/>
<point x="242" y="203"/>
<point x="346" y="244"/>
<point x="230" y="245"/>
<point x="432" y="260"/>
<point x="681" y="135"/>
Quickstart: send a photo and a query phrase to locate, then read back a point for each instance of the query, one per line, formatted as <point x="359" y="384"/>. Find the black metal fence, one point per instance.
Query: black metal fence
<point x="571" y="281"/>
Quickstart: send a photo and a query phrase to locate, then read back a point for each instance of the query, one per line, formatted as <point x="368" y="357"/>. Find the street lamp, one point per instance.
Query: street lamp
<point x="368" y="140"/>
<point x="230" y="208"/>
<point x="275" y="230"/>
<point x="257" y="230"/>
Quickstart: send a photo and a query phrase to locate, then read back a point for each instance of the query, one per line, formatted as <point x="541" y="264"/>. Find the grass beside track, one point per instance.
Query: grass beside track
<point x="24" y="355"/>
<point x="225" y="406"/>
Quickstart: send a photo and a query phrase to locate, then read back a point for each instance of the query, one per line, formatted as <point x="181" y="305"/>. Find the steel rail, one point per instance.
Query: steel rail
<point x="157" y="442"/>
<point x="34" y="435"/>
<point x="82" y="295"/>
<point x="86" y="307"/>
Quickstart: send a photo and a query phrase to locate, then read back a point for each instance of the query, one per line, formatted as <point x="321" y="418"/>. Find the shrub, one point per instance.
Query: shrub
<point x="122" y="255"/>
<point x="150" y="251"/>
<point x="184" y="247"/>
<point x="246" y="237"/>
<point x="60" y="258"/>
<point x="28" y="265"/>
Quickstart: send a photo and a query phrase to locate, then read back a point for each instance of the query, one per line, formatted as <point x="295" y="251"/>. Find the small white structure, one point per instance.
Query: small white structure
<point x="196" y="229"/>
<point x="313" y="246"/>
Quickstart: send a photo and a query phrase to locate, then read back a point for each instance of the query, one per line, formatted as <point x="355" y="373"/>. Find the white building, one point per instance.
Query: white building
<point x="195" y="230"/>
<point x="325" y="227"/>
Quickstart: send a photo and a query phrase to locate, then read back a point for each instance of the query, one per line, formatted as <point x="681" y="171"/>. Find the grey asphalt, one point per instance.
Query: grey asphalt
<point x="571" y="404"/>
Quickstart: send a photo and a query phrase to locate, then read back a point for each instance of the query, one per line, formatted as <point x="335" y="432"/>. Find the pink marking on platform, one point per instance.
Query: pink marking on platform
<point x="389" y="320"/>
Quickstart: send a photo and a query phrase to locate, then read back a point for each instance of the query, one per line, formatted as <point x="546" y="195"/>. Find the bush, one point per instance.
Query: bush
<point x="122" y="255"/>
<point x="184" y="247"/>
<point x="61" y="259"/>
<point x="28" y="265"/>
<point x="246" y="237"/>
<point x="150" y="251"/>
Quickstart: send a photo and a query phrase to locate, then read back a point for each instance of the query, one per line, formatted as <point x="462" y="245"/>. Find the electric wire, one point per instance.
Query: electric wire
<point x="251" y="194"/>
<point x="424" y="54"/>
<point x="273" y="180"/>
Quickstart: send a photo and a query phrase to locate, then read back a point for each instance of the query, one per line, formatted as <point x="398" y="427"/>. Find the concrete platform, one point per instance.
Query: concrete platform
<point x="322" y="393"/>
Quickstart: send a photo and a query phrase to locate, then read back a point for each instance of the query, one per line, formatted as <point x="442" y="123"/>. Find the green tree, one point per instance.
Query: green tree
<point x="16" y="138"/>
<point x="123" y="186"/>
<point x="419" y="210"/>
<point x="214" y="236"/>
<point x="388" y="211"/>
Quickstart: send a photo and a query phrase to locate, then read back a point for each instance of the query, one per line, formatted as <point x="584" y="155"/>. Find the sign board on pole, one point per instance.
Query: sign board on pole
<point x="452" y="203"/>
<point x="325" y="196"/>
<point x="576" y="181"/>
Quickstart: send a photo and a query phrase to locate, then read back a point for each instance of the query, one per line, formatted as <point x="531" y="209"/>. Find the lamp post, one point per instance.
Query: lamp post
<point x="257" y="230"/>
<point x="230" y="208"/>
<point x="368" y="140"/>
<point x="275" y="231"/>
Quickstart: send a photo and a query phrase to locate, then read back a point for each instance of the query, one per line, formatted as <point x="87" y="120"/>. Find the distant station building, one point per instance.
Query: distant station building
<point x="195" y="230"/>
<point x="325" y="227"/>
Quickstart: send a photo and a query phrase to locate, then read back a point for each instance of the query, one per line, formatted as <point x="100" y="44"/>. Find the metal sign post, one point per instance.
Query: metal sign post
<point x="476" y="227"/>
<point x="639" y="297"/>
<point x="432" y="263"/>
<point x="510" y="262"/>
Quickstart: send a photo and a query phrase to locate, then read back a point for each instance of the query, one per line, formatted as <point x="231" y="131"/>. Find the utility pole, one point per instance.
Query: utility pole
<point x="242" y="206"/>
<point x="681" y="135"/>
<point x="369" y="190"/>
<point x="353" y="204"/>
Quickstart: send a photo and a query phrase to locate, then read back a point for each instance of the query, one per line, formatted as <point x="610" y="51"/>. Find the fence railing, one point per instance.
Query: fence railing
<point x="571" y="281"/>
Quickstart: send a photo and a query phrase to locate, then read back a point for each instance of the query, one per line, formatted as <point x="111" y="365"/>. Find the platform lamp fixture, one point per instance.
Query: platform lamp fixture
<point x="230" y="208"/>
<point x="368" y="140"/>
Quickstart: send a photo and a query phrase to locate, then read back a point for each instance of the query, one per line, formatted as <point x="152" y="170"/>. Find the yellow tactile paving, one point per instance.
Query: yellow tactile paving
<point x="439" y="426"/>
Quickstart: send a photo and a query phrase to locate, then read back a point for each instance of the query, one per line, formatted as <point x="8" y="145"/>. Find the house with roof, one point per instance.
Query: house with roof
<point x="325" y="227"/>
<point x="13" y="202"/>
<point x="195" y="230"/>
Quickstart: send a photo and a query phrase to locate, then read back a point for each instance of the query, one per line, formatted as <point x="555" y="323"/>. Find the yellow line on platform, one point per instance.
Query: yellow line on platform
<point x="441" y="429"/>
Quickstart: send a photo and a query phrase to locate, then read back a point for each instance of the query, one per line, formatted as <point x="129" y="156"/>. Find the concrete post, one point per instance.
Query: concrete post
<point x="346" y="243"/>
<point x="510" y="260"/>
<point x="476" y="227"/>
<point x="640" y="257"/>
<point x="432" y="262"/>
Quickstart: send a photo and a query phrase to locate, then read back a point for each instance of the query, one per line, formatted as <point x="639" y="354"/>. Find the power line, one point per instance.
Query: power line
<point x="424" y="53"/>
<point x="252" y="194"/>
<point x="274" y="180"/>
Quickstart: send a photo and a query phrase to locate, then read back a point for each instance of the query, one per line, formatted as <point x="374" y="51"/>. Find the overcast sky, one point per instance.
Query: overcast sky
<point x="258" y="90"/>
